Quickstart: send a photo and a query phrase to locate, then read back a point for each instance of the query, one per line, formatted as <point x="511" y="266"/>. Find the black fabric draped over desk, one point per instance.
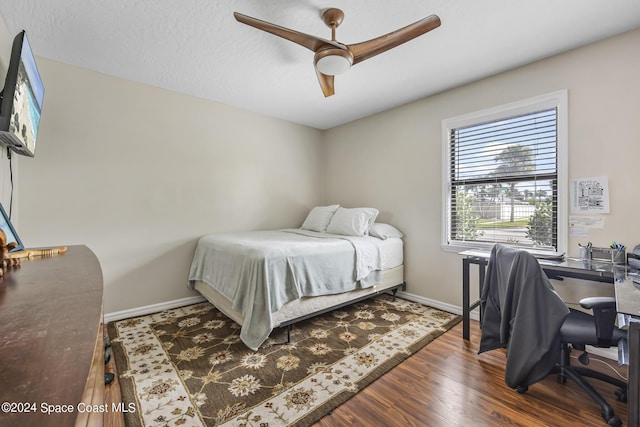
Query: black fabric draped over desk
<point x="627" y="302"/>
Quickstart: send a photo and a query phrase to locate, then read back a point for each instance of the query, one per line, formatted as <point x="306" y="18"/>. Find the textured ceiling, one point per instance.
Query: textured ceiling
<point x="197" y="48"/>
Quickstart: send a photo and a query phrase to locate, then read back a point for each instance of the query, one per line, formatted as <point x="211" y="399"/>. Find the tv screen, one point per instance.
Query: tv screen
<point x="21" y="99"/>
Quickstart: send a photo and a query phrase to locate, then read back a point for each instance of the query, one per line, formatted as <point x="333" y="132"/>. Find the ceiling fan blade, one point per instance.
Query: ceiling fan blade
<point x="326" y="83"/>
<point x="306" y="40"/>
<point x="373" y="47"/>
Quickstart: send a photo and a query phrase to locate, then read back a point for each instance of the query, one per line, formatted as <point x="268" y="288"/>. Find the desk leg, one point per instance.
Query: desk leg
<point x="466" y="311"/>
<point x="482" y="268"/>
<point x="633" y="383"/>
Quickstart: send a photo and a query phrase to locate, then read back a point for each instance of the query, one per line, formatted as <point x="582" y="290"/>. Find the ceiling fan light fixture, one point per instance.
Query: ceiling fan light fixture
<point x="332" y="57"/>
<point x="333" y="61"/>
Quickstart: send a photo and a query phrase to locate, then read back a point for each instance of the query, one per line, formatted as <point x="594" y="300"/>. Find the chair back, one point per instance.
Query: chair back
<point x="521" y="312"/>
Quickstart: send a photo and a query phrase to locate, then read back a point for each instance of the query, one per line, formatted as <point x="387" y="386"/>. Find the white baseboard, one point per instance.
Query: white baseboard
<point x="437" y="304"/>
<point x="610" y="353"/>
<point x="153" y="308"/>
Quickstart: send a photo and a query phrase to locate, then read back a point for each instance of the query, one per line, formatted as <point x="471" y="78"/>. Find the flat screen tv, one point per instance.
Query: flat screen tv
<point x="22" y="97"/>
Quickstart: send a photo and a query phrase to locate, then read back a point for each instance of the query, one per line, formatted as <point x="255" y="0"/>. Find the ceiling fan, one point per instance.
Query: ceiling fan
<point x="332" y="57"/>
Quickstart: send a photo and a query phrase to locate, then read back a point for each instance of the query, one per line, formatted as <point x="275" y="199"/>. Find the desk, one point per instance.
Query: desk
<point x="51" y="340"/>
<point x="578" y="269"/>
<point x="627" y="302"/>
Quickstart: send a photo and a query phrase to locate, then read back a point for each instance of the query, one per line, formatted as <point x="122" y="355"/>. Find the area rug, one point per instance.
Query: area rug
<point x="188" y="367"/>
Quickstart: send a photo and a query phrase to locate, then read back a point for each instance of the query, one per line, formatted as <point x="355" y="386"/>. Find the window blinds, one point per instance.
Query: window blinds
<point x="503" y="181"/>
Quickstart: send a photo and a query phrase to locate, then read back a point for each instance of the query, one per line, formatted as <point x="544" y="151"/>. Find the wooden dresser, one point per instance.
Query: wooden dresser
<point x="51" y="342"/>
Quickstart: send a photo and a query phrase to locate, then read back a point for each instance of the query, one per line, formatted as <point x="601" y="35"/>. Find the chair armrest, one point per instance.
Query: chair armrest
<point x="604" y="313"/>
<point x="598" y="302"/>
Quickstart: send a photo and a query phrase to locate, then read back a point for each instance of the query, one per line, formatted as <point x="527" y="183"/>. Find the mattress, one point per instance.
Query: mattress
<point x="296" y="272"/>
<point x="296" y="309"/>
<point x="391" y="253"/>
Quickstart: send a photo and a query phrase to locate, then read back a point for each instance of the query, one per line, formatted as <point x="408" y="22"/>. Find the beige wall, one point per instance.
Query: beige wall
<point x="138" y="174"/>
<point x="393" y="160"/>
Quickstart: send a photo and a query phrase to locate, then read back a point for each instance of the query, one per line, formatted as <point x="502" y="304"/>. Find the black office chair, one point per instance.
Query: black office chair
<point x="521" y="311"/>
<point x="581" y="329"/>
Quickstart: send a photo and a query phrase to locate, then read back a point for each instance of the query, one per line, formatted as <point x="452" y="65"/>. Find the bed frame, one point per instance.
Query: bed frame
<point x="390" y="281"/>
<point x="289" y="324"/>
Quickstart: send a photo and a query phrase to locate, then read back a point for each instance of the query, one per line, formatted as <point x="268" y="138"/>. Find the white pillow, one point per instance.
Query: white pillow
<point x="353" y="221"/>
<point x="319" y="217"/>
<point x="384" y="231"/>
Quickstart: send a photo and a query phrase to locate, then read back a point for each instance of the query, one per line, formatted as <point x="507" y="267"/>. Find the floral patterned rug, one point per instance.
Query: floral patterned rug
<point x="188" y="367"/>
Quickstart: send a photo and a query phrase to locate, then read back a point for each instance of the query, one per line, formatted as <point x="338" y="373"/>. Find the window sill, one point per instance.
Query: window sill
<point x="487" y="247"/>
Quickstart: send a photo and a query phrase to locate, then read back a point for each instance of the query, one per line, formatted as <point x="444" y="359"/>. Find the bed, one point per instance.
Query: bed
<point x="273" y="278"/>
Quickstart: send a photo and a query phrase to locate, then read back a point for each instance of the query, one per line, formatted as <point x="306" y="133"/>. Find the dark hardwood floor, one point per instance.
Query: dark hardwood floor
<point x="448" y="384"/>
<point x="112" y="394"/>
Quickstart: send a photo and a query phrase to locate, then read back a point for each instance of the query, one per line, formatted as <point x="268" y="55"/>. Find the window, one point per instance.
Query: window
<point x="505" y="174"/>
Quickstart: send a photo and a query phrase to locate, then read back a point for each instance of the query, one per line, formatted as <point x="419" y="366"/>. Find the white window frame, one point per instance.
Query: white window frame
<point x="557" y="99"/>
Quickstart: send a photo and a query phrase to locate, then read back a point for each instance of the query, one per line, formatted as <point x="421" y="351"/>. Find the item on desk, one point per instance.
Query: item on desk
<point x="551" y="256"/>
<point x="618" y="256"/>
<point x="6" y="261"/>
<point x="43" y="252"/>
<point x="633" y="258"/>
<point x="610" y="254"/>
<point x="618" y="253"/>
<point x="584" y="252"/>
<point x="598" y="253"/>
<point x="616" y="246"/>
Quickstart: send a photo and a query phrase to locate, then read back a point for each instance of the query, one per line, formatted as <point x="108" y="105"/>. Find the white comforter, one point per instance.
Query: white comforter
<point x="260" y="271"/>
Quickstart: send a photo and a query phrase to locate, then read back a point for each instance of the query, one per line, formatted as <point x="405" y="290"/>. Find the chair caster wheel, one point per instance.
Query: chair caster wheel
<point x="614" y="421"/>
<point x="108" y="378"/>
<point x="621" y="395"/>
<point x="562" y="379"/>
<point x="584" y="358"/>
<point x="522" y="389"/>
